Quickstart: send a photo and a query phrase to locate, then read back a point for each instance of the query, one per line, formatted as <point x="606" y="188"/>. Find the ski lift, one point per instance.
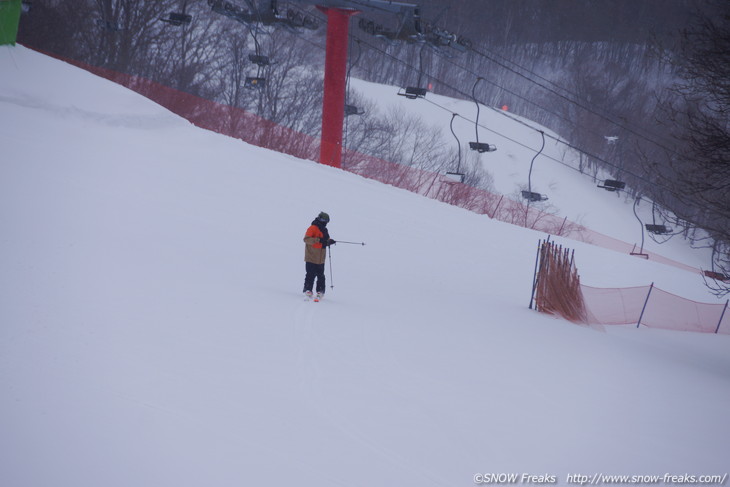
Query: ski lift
<point x="353" y="110"/>
<point x="254" y="82"/>
<point x="177" y="18"/>
<point x="455" y="176"/>
<point x="528" y="194"/>
<point x="408" y="28"/>
<point x="612" y="185"/>
<point x="109" y="25"/>
<point x="437" y="37"/>
<point x="374" y="29"/>
<point x="413" y="92"/>
<point x="266" y="13"/>
<point x="259" y="60"/>
<point x="533" y="197"/>
<point x="297" y="19"/>
<point x="440" y="37"/>
<point x="228" y="9"/>
<point x="640" y="253"/>
<point x="480" y="147"/>
<point x="657" y="229"/>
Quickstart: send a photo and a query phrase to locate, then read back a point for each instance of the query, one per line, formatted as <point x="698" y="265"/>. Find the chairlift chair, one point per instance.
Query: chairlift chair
<point x="533" y="197"/>
<point x="375" y="29"/>
<point x="408" y="28"/>
<point x="257" y="82"/>
<point x="454" y="177"/>
<point x="259" y="59"/>
<point x="254" y="83"/>
<point x="437" y="38"/>
<point x="413" y="92"/>
<point x="657" y="229"/>
<point x="612" y="185"/>
<point x="226" y="8"/>
<point x="640" y="253"/>
<point x="296" y="19"/>
<point x="482" y="147"/>
<point x="268" y="14"/>
<point x="353" y="110"/>
<point x="177" y="18"/>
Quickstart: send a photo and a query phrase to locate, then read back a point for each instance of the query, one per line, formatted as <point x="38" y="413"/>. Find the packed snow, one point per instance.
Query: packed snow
<point x="153" y="331"/>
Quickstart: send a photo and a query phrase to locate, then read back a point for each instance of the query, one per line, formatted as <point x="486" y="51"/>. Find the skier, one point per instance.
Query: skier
<point x="316" y="241"/>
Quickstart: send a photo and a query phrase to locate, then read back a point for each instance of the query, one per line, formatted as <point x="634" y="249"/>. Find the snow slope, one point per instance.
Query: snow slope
<point x="152" y="330"/>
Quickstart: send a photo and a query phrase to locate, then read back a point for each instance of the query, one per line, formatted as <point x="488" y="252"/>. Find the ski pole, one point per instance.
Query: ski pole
<point x="332" y="281"/>
<point x="353" y="243"/>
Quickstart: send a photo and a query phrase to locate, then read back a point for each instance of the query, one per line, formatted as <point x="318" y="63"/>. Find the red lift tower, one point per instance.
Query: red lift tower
<point x="335" y="68"/>
<point x="335" y="84"/>
<point x="338" y="13"/>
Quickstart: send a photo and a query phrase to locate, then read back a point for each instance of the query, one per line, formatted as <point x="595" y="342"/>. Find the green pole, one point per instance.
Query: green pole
<point x="9" y="18"/>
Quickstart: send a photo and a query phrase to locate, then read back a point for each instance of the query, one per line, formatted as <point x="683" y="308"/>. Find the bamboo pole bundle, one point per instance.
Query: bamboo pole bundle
<point x="558" y="290"/>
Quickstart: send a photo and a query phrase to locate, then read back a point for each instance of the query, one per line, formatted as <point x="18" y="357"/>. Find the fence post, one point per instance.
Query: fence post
<point x="721" y="317"/>
<point x="534" y="275"/>
<point x="560" y="232"/>
<point x="494" y="213"/>
<point x="645" y="303"/>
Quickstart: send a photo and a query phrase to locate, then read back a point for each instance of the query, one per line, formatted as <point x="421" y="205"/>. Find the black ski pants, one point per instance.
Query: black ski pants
<point x="314" y="271"/>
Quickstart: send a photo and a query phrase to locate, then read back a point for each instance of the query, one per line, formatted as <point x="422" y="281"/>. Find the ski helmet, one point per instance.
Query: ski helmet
<point x="323" y="217"/>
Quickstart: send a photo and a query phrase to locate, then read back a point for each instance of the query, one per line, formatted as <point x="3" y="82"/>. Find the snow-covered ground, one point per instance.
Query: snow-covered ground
<point x="152" y="330"/>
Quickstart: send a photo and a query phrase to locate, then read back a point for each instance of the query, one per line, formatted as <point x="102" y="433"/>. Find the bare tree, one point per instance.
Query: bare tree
<point x="698" y="173"/>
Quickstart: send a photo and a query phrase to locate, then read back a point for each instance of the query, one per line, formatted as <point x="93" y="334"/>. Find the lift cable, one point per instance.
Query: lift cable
<point x="644" y="179"/>
<point x="570" y="97"/>
<point x="522" y="122"/>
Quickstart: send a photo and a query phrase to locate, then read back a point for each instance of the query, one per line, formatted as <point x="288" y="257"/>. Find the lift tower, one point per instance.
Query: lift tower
<point x="335" y="68"/>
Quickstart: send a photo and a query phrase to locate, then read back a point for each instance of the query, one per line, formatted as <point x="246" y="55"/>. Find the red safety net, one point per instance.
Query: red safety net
<point x="614" y="306"/>
<point x="655" y="308"/>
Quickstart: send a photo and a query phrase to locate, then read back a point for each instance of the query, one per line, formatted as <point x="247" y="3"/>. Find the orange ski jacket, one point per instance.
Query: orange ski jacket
<point x="313" y="250"/>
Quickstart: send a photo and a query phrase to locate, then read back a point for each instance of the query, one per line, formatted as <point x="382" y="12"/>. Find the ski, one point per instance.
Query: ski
<point x="309" y="296"/>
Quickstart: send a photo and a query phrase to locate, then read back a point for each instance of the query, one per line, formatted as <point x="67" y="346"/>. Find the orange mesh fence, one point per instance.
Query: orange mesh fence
<point x="654" y="308"/>
<point x="558" y="291"/>
<point x="671" y="312"/>
<point x="614" y="306"/>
